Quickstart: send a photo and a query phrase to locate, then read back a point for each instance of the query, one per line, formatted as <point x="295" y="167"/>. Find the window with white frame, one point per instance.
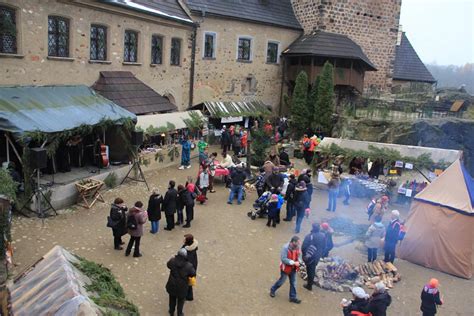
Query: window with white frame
<point x="272" y="52"/>
<point x="244" y="49"/>
<point x="209" y="45"/>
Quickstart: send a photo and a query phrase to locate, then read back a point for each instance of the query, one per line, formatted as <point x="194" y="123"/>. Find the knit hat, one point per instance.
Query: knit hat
<point x="396" y="213"/>
<point x="315" y="227"/>
<point x="302" y="185"/>
<point x="274" y="198"/>
<point x="183" y="252"/>
<point x="325" y="226"/>
<point x="359" y="293"/>
<point x="380" y="287"/>
<point x="434" y="283"/>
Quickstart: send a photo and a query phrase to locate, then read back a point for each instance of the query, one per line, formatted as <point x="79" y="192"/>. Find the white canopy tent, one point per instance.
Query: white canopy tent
<point x="166" y="121"/>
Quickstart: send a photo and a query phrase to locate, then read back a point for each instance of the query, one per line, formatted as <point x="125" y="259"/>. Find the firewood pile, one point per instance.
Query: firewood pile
<point x="377" y="271"/>
<point x="336" y="274"/>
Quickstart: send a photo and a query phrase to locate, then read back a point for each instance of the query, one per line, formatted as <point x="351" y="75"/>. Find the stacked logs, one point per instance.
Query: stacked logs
<point x="377" y="271"/>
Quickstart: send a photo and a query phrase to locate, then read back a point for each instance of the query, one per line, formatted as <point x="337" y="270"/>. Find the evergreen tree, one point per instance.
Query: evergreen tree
<point x="325" y="96"/>
<point x="311" y="105"/>
<point x="299" y="109"/>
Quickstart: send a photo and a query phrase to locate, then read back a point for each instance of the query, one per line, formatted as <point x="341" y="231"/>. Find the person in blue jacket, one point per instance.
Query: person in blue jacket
<point x="185" y="153"/>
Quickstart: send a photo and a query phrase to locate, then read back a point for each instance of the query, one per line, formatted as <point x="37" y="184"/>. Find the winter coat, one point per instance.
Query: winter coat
<point x="392" y="234"/>
<point x="154" y="207"/>
<point x="290" y="190"/>
<point x="227" y="162"/>
<point x="192" y="253"/>
<point x="119" y="216"/>
<point x="186" y="145"/>
<point x="260" y="182"/>
<point x="188" y="198"/>
<point x="301" y="197"/>
<point x="238" y="177"/>
<point x="236" y="141"/>
<point x="273" y="209"/>
<point x="275" y="180"/>
<point x="357" y="305"/>
<point x="304" y="177"/>
<point x="180" y="271"/>
<point x="329" y="241"/>
<point x="378" y="304"/>
<point x="318" y="241"/>
<point x="225" y="138"/>
<point x="374" y="234"/>
<point x="429" y="300"/>
<point x="284" y="159"/>
<point x="204" y="180"/>
<point x="169" y="202"/>
<point x="140" y="217"/>
<point x="180" y="200"/>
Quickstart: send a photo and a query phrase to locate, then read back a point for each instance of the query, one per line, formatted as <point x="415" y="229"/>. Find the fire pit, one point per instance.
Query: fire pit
<point x="336" y="274"/>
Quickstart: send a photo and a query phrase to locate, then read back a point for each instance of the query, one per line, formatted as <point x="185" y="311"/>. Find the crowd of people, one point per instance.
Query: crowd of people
<point x="274" y="190"/>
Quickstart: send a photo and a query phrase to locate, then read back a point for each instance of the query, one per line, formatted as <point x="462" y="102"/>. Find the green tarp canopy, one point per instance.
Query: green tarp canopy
<point x="52" y="109"/>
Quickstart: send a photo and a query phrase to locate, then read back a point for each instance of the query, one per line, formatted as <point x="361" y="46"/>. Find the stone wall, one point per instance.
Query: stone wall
<point x="32" y="67"/>
<point x="223" y="78"/>
<point x="373" y="24"/>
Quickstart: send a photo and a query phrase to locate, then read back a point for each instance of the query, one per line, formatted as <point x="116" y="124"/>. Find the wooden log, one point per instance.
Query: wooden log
<point x="391" y="267"/>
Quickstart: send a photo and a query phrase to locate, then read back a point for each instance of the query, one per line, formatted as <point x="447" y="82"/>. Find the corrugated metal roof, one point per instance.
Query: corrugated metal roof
<point x="168" y="121"/>
<point x="229" y="108"/>
<point x="327" y="44"/>
<point x="123" y="88"/>
<point x="272" y="12"/>
<point x="51" y="109"/>
<point x="408" y="66"/>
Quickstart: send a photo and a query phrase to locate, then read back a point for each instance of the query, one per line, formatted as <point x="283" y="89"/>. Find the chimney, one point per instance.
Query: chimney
<point x="399" y="36"/>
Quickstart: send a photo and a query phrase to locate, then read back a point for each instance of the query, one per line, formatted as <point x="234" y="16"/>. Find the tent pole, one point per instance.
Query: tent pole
<point x="8" y="149"/>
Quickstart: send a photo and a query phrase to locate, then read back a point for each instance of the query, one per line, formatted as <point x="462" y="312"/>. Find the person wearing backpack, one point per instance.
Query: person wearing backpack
<point x="371" y="207"/>
<point x="189" y="197"/>
<point x="312" y="248"/>
<point x="118" y="222"/>
<point x="430" y="298"/>
<point x="374" y="234"/>
<point x="191" y="246"/>
<point x="392" y="236"/>
<point x="181" y="270"/>
<point x="135" y="220"/>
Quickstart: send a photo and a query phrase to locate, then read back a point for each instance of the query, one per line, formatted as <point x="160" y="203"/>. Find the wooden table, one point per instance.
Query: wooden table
<point x="89" y="192"/>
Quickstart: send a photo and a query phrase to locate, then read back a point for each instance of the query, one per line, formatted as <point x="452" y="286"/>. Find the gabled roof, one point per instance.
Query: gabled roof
<point x="408" y="66"/>
<point x="327" y="44"/>
<point x="124" y="89"/>
<point x="167" y="9"/>
<point x="51" y="109"/>
<point x="454" y="189"/>
<point x="272" y="12"/>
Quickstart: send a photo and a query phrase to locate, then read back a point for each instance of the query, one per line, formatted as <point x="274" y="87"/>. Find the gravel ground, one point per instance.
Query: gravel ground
<point x="238" y="257"/>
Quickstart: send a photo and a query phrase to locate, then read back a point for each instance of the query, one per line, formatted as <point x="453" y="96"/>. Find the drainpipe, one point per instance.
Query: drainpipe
<point x="193" y="60"/>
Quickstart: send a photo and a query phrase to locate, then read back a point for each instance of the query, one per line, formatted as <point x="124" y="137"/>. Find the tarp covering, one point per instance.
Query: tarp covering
<point x="225" y="109"/>
<point x="52" y="109"/>
<point x="440" y="226"/>
<point x="166" y="121"/>
<point x="452" y="189"/>
<point x="52" y="287"/>
<point x="436" y="154"/>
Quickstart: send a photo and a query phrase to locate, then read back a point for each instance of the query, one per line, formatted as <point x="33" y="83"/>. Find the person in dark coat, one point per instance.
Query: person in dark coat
<point x="191" y="246"/>
<point x="392" y="235"/>
<point x="154" y="210"/>
<point x="301" y="200"/>
<point x="238" y="179"/>
<point x="380" y="300"/>
<point x="272" y="210"/>
<point x="225" y="139"/>
<point x="169" y="205"/>
<point x="180" y="204"/>
<point x="284" y="158"/>
<point x="430" y="298"/>
<point x="118" y="222"/>
<point x="313" y="247"/>
<point x="306" y="177"/>
<point x="359" y="303"/>
<point x="275" y="181"/>
<point x="327" y="231"/>
<point x="290" y="198"/>
<point x="178" y="282"/>
<point x="189" y="197"/>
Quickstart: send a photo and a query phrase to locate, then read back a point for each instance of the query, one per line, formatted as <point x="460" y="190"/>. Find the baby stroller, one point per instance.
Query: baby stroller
<point x="260" y="206"/>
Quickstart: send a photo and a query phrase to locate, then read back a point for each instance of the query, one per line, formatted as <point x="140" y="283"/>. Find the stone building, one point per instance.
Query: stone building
<point x="238" y="49"/>
<point x="373" y="24"/>
<point x="59" y="42"/>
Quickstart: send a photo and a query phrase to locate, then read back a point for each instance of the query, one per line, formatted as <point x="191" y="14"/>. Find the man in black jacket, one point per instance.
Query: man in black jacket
<point x="238" y="178"/>
<point x="275" y="181"/>
<point x="178" y="282"/>
<point x="313" y="247"/>
<point x="392" y="235"/>
<point x="289" y="197"/>
<point x="225" y="139"/>
<point x="169" y="205"/>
